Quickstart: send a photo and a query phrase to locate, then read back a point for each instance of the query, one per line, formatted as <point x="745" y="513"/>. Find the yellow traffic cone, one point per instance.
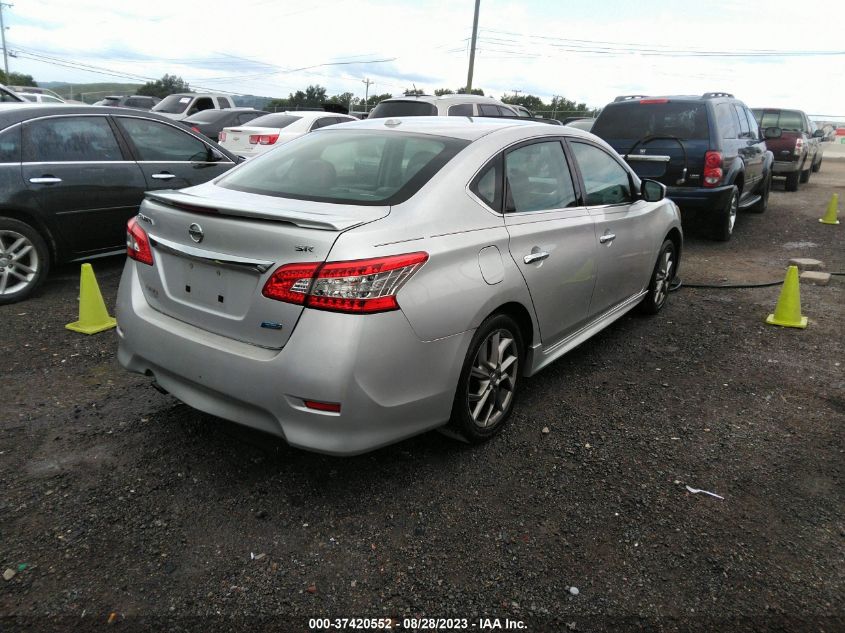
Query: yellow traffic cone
<point x="788" y="310"/>
<point x="832" y="211"/>
<point x="93" y="315"/>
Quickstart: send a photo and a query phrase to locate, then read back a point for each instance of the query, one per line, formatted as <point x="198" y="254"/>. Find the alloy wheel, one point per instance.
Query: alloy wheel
<point x="663" y="277"/>
<point x="19" y="263"/>
<point x="492" y="379"/>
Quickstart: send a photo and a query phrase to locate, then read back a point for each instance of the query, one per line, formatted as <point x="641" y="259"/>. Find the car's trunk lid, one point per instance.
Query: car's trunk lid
<point x="237" y="138"/>
<point x="674" y="162"/>
<point x="214" y="253"/>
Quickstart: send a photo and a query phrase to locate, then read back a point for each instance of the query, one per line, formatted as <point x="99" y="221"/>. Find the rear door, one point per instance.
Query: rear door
<point x="749" y="148"/>
<point x="624" y="233"/>
<point x="552" y="239"/>
<point x="170" y="157"/>
<point x="81" y="173"/>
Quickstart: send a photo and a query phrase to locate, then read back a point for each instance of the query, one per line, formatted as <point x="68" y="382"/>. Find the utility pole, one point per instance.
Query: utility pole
<point x="367" y="82"/>
<point x="554" y="105"/>
<point x="3" y="34"/>
<point x="472" y="47"/>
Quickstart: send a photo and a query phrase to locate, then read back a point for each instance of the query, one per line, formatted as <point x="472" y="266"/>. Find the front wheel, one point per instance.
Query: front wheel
<point x="487" y="386"/>
<point x="24" y="260"/>
<point x="725" y="218"/>
<point x="661" y="279"/>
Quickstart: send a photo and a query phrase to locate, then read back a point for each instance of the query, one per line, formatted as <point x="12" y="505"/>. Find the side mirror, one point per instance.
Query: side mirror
<point x="652" y="191"/>
<point x="818" y="134"/>
<point x="772" y="132"/>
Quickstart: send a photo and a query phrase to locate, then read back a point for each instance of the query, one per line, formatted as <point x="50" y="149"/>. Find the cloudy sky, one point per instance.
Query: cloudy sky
<point x="780" y="52"/>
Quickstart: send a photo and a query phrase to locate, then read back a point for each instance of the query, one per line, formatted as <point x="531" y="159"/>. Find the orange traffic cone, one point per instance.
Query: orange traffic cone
<point x="788" y="309"/>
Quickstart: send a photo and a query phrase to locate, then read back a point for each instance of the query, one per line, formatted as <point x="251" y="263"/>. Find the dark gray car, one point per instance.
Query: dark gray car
<point x="71" y="176"/>
<point x="211" y="122"/>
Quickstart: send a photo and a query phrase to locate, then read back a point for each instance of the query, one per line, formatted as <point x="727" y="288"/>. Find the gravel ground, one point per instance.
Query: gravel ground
<point x="121" y="505"/>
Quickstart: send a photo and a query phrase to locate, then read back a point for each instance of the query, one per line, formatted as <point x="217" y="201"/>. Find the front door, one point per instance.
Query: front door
<point x="170" y="157"/>
<point x="79" y="174"/>
<point x="552" y="239"/>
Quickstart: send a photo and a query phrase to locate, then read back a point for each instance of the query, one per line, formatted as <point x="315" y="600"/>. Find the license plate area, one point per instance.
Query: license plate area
<point x="219" y="288"/>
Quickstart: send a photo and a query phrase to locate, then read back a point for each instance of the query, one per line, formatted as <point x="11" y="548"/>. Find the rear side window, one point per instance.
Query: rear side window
<point x="223" y="102"/>
<point x="70" y="139"/>
<point x="633" y="120"/>
<point x="461" y="109"/>
<point x="10" y="145"/>
<point x="159" y="142"/>
<point x="726" y="121"/>
<point x="347" y="167"/>
<point x="605" y="180"/>
<point x="538" y="178"/>
<point x="402" y="108"/>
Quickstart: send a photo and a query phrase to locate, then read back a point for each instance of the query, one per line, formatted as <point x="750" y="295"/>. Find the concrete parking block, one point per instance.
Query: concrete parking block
<point x="816" y="278"/>
<point x="805" y="263"/>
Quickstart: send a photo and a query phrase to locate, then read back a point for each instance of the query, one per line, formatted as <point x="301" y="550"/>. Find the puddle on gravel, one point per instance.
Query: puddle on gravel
<point x="792" y="245"/>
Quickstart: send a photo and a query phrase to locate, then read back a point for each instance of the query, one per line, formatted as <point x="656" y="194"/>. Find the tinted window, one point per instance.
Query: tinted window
<point x="206" y="116"/>
<point x="138" y="102"/>
<point x="84" y="138"/>
<point x="790" y="120"/>
<point x="223" y="103"/>
<point x="323" y="122"/>
<point x="725" y="120"/>
<point x="156" y="141"/>
<point x="246" y="117"/>
<point x="538" y="178"/>
<point x="203" y="103"/>
<point x="462" y="109"/>
<point x="403" y="108"/>
<point x="31" y="98"/>
<point x="752" y="124"/>
<point x="744" y="131"/>
<point x="346" y="167"/>
<point x="8" y="97"/>
<point x="10" y="145"/>
<point x="274" y="120"/>
<point x="634" y="120"/>
<point x="605" y="180"/>
<point x="486" y="109"/>
<point x="173" y="104"/>
<point x="488" y="184"/>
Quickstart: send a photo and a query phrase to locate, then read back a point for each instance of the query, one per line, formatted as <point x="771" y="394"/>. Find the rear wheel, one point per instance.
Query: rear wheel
<point x="763" y="203"/>
<point x="661" y="279"/>
<point x="24" y="260"/>
<point x="818" y="165"/>
<point x="487" y="386"/>
<point x="792" y="181"/>
<point x="805" y="175"/>
<point x="725" y="218"/>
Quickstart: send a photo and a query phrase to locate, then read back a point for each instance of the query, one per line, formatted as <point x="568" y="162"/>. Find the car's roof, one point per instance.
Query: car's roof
<point x="463" y="127"/>
<point x="463" y="98"/>
<point x="12" y="113"/>
<point x="311" y="114"/>
<point x="198" y="94"/>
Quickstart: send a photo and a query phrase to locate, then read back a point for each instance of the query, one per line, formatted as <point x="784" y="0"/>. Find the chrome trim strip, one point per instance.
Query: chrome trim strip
<point x="653" y="158"/>
<point x="206" y="257"/>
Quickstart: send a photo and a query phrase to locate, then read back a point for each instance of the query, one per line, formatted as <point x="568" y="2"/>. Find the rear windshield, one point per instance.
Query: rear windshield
<point x="274" y="120"/>
<point x="790" y="120"/>
<point x="634" y="120"/>
<point x="174" y="104"/>
<point x="402" y="108"/>
<point x="363" y="167"/>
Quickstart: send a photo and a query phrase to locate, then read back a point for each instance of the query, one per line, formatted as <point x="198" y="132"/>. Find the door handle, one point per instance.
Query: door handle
<point x="535" y="257"/>
<point x="45" y="180"/>
<point x="607" y="237"/>
<point x="163" y="176"/>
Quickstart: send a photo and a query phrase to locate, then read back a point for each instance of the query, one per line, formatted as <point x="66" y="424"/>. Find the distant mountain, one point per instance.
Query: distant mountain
<point x="89" y="92"/>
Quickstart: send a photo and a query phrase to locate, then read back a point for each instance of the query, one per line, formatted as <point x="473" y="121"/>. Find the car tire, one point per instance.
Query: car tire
<point x="725" y="218"/>
<point x="792" y="181"/>
<point x="24" y="260"/>
<point x="818" y="165"/>
<point x="805" y="175"/>
<point x="487" y="387"/>
<point x="763" y="203"/>
<point x="661" y="279"/>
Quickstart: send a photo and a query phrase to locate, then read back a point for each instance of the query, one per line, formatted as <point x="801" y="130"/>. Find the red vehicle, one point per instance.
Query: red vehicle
<point x="798" y="150"/>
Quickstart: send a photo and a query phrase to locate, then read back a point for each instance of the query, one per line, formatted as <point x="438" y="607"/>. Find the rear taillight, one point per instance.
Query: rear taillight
<point x="799" y="146"/>
<point x="221" y="137"/>
<point x="328" y="407"/>
<point x="138" y="243"/>
<point x="647" y="101"/>
<point x="263" y="139"/>
<point x="362" y="286"/>
<point x="712" y="169"/>
<point x="196" y="129"/>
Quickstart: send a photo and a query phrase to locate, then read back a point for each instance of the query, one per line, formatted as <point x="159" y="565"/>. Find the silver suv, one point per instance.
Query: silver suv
<point x="447" y="105"/>
<point x="181" y="106"/>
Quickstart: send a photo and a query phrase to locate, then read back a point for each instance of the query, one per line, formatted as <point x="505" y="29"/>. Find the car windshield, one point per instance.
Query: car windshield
<point x="274" y="120"/>
<point x="362" y="167"/>
<point x="790" y="120"/>
<point x="174" y="104"/>
<point x="402" y="108"/>
<point x="634" y="120"/>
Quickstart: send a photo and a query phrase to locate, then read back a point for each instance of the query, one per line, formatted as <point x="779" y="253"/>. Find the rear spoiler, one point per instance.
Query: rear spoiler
<point x="535" y="119"/>
<point x="311" y="220"/>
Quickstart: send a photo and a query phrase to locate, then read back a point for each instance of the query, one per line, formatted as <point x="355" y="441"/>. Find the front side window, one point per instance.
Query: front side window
<point x="605" y="180"/>
<point x="70" y="139"/>
<point x="538" y="178"/>
<point x="10" y="145"/>
<point x="346" y="167"/>
<point x="160" y="142"/>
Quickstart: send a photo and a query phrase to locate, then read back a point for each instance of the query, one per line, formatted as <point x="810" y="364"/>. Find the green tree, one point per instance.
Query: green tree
<point x="373" y="100"/>
<point x="443" y="91"/>
<point x="346" y="99"/>
<point x="17" y="79"/>
<point x="474" y="91"/>
<point x="167" y="85"/>
<point x="535" y="104"/>
<point x="410" y="92"/>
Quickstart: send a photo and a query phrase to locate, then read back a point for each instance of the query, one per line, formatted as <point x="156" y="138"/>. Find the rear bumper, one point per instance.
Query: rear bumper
<point x="699" y="199"/>
<point x="784" y="167"/>
<point x="390" y="384"/>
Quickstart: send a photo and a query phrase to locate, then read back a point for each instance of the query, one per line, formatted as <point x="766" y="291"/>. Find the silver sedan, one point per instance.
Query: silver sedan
<point x="372" y="281"/>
